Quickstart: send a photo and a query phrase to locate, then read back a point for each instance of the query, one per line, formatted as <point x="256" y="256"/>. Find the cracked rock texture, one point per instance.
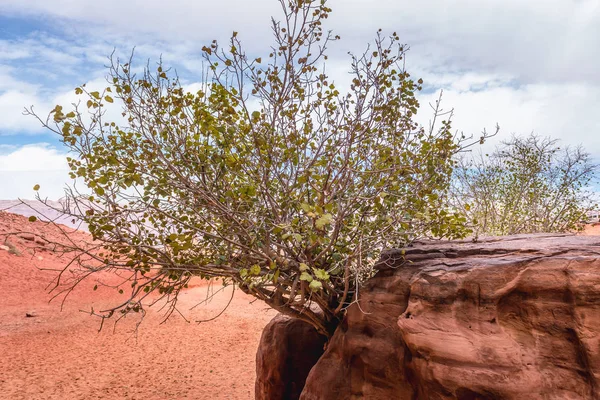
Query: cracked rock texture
<point x="504" y="318"/>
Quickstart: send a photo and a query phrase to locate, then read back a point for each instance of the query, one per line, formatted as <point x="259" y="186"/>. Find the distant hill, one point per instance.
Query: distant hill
<point x="42" y="212"/>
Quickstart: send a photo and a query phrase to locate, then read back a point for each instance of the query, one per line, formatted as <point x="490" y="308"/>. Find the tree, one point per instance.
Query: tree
<point x="527" y="185"/>
<point x="270" y="177"/>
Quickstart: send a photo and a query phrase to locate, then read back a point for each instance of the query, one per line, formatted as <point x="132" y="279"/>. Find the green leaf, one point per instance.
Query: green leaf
<point x="297" y="237"/>
<point x="108" y="99"/>
<point x="315" y="285"/>
<point x="33" y="218"/>
<point x="324" y="220"/>
<point x="303" y="267"/>
<point x="321" y="274"/>
<point x="255" y="269"/>
<point x="305" y="276"/>
<point x="36" y="187"/>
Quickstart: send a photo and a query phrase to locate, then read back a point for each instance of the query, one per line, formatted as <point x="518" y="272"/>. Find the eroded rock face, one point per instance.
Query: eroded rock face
<point x="288" y="349"/>
<point x="510" y="318"/>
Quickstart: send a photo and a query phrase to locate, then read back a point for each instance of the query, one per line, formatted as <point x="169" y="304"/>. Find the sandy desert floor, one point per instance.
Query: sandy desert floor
<point x="591" y="229"/>
<point x="61" y="355"/>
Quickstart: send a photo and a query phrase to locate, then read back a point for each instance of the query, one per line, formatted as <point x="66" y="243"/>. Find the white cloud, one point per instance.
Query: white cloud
<point x="35" y="157"/>
<point x="180" y="20"/>
<point x="527" y="65"/>
<point x="9" y="82"/>
<point x="7" y="148"/>
<point x="531" y="40"/>
<point x="14" y="101"/>
<point x="23" y="167"/>
<point x="19" y="184"/>
<point x="12" y="104"/>
<point x="563" y="111"/>
<point x="15" y="94"/>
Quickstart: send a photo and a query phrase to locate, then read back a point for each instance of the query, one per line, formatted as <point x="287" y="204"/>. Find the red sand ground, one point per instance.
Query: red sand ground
<point x="61" y="355"/>
<point x="591" y="229"/>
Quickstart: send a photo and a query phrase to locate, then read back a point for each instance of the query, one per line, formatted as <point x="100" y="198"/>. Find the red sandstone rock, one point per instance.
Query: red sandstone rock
<point x="287" y="351"/>
<point x="510" y="318"/>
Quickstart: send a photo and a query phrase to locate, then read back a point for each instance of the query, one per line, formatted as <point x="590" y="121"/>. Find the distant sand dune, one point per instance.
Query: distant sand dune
<point x="41" y="211"/>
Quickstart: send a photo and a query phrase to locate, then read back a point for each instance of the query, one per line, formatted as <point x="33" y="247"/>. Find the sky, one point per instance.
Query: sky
<point x="527" y="65"/>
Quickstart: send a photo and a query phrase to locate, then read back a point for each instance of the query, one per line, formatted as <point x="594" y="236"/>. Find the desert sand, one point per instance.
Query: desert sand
<point x="59" y="354"/>
<point x="591" y="229"/>
<point x="54" y="354"/>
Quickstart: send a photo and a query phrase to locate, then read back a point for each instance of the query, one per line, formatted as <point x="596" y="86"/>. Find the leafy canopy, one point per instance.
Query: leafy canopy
<point x="270" y="177"/>
<point x="527" y="185"/>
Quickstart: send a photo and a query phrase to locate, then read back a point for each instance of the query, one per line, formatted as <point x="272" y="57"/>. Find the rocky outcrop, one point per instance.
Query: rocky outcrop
<point x="510" y="318"/>
<point x="288" y="349"/>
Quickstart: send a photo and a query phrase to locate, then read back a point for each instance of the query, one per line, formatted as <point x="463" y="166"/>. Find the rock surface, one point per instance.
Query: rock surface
<point x="288" y="349"/>
<point x="510" y="318"/>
